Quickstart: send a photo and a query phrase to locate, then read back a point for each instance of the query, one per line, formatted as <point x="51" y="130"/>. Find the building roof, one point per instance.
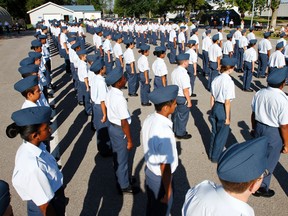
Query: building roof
<point x="49" y="3"/>
<point x="80" y="8"/>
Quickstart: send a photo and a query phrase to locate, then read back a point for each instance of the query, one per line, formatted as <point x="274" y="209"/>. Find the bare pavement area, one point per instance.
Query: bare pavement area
<point x="89" y="178"/>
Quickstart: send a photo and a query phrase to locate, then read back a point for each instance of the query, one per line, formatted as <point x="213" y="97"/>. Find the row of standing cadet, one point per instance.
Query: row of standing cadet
<point x="36" y="176"/>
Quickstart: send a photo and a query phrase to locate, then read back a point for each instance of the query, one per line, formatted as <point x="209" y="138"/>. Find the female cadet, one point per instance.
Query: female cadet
<point x="222" y="92"/>
<point x="143" y="67"/>
<point x="192" y="68"/>
<point x="132" y="76"/>
<point x="118" y="51"/>
<point x="36" y="176"/>
<point x="249" y="57"/>
<point x="98" y="94"/>
<point x="159" y="68"/>
<point x="107" y="47"/>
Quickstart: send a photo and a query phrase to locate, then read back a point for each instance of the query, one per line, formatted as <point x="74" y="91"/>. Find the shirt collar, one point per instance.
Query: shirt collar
<point x="116" y="91"/>
<point x="33" y="149"/>
<point x="164" y="119"/>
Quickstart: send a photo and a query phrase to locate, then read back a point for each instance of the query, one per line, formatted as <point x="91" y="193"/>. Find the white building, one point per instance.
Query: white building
<point x="51" y="11"/>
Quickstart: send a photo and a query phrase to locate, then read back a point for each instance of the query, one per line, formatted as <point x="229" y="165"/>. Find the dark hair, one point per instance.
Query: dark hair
<point x="158" y="107"/>
<point x="276" y="85"/>
<point x="29" y="90"/>
<point x="128" y="45"/>
<point x="13" y="130"/>
<point x="158" y="53"/>
<point x="225" y="68"/>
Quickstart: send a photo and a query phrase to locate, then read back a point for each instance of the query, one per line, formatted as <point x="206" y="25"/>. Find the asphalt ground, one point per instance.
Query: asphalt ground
<point x="89" y="177"/>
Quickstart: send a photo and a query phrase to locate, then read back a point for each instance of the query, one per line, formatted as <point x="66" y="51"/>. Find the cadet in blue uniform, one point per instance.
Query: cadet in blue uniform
<point x="160" y="151"/>
<point x="214" y="55"/>
<point x="98" y="96"/>
<point x="222" y="92"/>
<point x="132" y="76"/>
<point x="249" y="57"/>
<point x="264" y="49"/>
<point x="159" y="68"/>
<point x="36" y="176"/>
<point x="108" y="51"/>
<point x="241" y="169"/>
<point x="119" y="129"/>
<point x="83" y="88"/>
<point x="143" y="67"/>
<point x="181" y="78"/>
<point x="270" y="119"/>
<point x="192" y="68"/>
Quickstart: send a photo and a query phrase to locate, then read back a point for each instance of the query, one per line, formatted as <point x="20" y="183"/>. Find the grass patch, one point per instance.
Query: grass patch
<point x="30" y="27"/>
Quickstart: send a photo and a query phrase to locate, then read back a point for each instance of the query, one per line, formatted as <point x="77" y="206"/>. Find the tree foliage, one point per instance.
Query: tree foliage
<point x="157" y="7"/>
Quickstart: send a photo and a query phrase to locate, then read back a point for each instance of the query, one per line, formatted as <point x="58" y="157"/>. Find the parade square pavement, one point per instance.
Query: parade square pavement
<point x="90" y="181"/>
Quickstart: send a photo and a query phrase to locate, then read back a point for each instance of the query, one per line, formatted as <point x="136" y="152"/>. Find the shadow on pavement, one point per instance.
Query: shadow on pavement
<point x="281" y="175"/>
<point x="102" y="196"/>
<point x="78" y="152"/>
<point x="201" y="125"/>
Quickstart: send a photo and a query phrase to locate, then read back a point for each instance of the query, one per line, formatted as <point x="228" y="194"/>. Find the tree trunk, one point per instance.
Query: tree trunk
<point x="274" y="17"/>
<point x="149" y="14"/>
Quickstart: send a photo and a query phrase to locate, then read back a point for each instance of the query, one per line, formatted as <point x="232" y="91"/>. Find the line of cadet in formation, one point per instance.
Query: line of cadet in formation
<point x="113" y="135"/>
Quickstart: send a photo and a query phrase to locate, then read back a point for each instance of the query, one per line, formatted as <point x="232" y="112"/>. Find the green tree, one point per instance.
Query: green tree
<point x="274" y="5"/>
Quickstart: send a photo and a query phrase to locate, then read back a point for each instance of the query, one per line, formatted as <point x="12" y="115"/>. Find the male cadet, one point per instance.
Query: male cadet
<point x="181" y="40"/>
<point x="97" y="41"/>
<point x="119" y="129"/>
<point x="243" y="43"/>
<point x="206" y="43"/>
<point x="172" y="45"/>
<point x="195" y="38"/>
<point x="219" y="28"/>
<point x="264" y="49"/>
<point x="228" y="47"/>
<point x="237" y="36"/>
<point x="180" y="77"/>
<point x="64" y="50"/>
<point x="282" y="35"/>
<point x="251" y="35"/>
<point x="160" y="151"/>
<point x="270" y="118"/>
<point x="249" y="57"/>
<point x="277" y="58"/>
<point x="214" y="55"/>
<point x="241" y="169"/>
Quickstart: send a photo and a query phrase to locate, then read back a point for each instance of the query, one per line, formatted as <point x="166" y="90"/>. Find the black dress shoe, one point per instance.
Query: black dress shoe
<point x="262" y="192"/>
<point x="80" y="103"/>
<point x="186" y="136"/>
<point x="146" y="104"/>
<point x="262" y="76"/>
<point x="130" y="190"/>
<point x="193" y="95"/>
<point x="248" y="90"/>
<point x="133" y="95"/>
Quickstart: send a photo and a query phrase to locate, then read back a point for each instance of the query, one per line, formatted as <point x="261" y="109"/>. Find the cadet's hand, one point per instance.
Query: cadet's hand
<point x="87" y="89"/>
<point x="104" y="119"/>
<point x="129" y="145"/>
<point x="189" y="104"/>
<point x="164" y="199"/>
<point x="285" y="150"/>
<point x="122" y="65"/>
<point x="227" y="122"/>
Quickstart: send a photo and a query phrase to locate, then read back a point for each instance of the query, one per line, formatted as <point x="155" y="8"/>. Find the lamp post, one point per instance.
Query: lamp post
<point x="253" y="5"/>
